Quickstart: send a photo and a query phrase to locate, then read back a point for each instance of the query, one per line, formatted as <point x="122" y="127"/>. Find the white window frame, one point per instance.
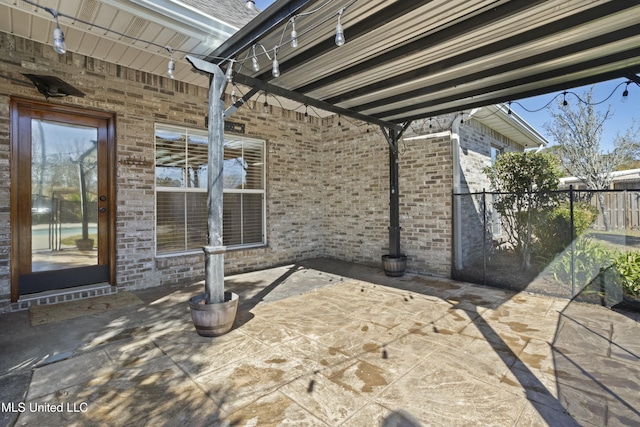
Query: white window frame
<point x="184" y="190"/>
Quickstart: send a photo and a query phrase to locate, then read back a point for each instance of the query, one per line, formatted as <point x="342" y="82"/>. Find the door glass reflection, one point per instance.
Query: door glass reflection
<point x="64" y="208"/>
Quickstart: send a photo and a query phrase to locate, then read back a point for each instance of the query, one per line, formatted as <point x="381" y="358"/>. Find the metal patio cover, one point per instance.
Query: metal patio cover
<point x="406" y="60"/>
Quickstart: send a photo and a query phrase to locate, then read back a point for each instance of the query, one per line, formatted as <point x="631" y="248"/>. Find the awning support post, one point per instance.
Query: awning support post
<point x="393" y="136"/>
<point x="214" y="251"/>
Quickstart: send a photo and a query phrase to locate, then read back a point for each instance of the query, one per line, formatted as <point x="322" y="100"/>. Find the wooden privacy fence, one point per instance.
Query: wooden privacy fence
<point x="623" y="207"/>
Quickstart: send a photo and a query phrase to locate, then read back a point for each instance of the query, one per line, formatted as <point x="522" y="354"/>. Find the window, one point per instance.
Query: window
<point x="181" y="190"/>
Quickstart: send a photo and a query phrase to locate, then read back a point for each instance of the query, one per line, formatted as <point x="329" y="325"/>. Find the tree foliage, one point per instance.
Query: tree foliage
<point x="526" y="181"/>
<point x="577" y="129"/>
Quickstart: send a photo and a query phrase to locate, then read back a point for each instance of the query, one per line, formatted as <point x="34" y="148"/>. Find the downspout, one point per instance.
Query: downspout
<point x="457" y="185"/>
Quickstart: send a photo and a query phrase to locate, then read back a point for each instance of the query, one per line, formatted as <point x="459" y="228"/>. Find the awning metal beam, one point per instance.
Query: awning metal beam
<point x="303" y="99"/>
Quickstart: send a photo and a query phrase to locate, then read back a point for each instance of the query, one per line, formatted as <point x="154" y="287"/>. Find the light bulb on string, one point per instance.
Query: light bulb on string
<point x="294" y="34"/>
<point x="564" y="99"/>
<point x="58" y="36"/>
<point x="265" y="106"/>
<point x="625" y="94"/>
<point x="171" y="67"/>
<point x="58" y="41"/>
<point x="229" y="73"/>
<point x="339" y="30"/>
<point x="254" y="60"/>
<point x="306" y="114"/>
<point x="250" y="4"/>
<point x="275" y="67"/>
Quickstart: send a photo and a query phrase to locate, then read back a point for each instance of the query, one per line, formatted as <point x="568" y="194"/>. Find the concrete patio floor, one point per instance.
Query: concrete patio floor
<point x="326" y="343"/>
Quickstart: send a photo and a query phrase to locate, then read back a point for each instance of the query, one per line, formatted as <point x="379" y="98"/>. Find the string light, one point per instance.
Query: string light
<point x="265" y="106"/>
<point x="171" y="67"/>
<point x="294" y="33"/>
<point x="229" y="73"/>
<point x="275" y="70"/>
<point x="294" y="39"/>
<point x="60" y="47"/>
<point x="254" y="60"/>
<point x="339" y="31"/>
<point x="306" y="113"/>
<point x="58" y="36"/>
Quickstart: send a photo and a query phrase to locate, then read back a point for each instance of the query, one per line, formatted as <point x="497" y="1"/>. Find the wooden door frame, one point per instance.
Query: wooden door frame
<point x="15" y="105"/>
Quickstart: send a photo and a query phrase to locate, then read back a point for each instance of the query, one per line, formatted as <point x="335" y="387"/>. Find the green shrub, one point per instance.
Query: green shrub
<point x="589" y="260"/>
<point x="553" y="228"/>
<point x="628" y="267"/>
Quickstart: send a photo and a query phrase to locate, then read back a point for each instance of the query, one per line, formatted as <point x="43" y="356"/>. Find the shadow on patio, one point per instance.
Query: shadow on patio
<point x="329" y="343"/>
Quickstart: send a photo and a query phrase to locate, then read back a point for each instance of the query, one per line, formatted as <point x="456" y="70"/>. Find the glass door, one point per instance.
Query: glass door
<point x="63" y="219"/>
<point x="64" y="196"/>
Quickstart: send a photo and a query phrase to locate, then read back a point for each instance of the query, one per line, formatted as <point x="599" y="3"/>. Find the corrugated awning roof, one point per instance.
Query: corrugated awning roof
<point x="405" y="60"/>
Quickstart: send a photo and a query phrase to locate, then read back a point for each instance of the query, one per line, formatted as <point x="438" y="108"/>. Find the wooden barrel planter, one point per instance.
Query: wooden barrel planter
<point x="394" y="266"/>
<point x="212" y="320"/>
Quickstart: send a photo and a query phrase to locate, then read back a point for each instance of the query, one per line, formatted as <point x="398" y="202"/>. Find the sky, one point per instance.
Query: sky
<point x="623" y="113"/>
<point x="263" y="4"/>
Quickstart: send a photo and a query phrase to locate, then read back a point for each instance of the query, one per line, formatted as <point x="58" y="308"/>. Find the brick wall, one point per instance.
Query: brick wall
<point x="355" y="191"/>
<point x="476" y="140"/>
<point x="327" y="182"/>
<point x="139" y="100"/>
<point x="426" y="179"/>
